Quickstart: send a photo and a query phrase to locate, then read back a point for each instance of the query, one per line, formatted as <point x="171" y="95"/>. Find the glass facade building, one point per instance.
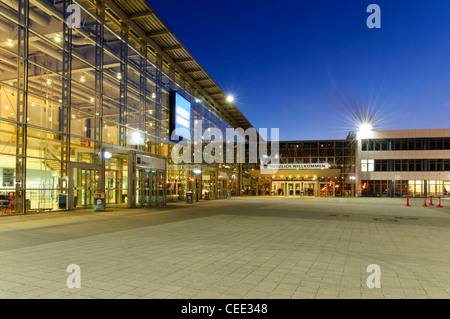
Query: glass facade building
<point x="296" y="177"/>
<point x="85" y="109"/>
<point x="391" y="163"/>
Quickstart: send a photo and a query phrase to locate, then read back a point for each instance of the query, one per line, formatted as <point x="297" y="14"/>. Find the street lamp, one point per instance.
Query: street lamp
<point x="230" y="98"/>
<point x="365" y="131"/>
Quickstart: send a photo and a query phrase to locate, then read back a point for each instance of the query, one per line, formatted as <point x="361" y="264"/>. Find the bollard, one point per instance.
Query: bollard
<point x="431" y="201"/>
<point x="407" y="201"/>
<point x="425" y="202"/>
<point x="439" y="204"/>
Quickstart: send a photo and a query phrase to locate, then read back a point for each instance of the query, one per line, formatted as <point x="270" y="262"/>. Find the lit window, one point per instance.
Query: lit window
<point x="363" y="165"/>
<point x="367" y="165"/>
<point x="371" y="165"/>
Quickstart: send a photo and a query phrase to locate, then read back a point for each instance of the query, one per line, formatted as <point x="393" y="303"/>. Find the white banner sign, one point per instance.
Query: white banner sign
<point x="143" y="161"/>
<point x="295" y="166"/>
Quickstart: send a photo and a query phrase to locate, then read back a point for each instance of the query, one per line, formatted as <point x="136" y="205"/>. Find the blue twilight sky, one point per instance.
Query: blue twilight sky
<point x="311" y="68"/>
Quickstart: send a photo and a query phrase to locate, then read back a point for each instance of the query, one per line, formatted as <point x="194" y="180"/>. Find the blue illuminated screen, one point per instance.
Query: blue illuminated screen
<point x="182" y="117"/>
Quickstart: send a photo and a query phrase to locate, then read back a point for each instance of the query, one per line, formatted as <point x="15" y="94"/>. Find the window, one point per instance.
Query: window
<point x="364" y="166"/>
<point x="381" y="165"/>
<point x="419" y="144"/>
<point x="371" y="165"/>
<point x="404" y="165"/>
<point x="411" y="144"/>
<point x="439" y="165"/>
<point x="364" y="145"/>
<point x="419" y="165"/>
<point x="377" y="166"/>
<point x="397" y="165"/>
<point x="432" y="165"/>
<point x="439" y="144"/>
<point x="367" y="165"/>
<point x="447" y="144"/>
<point x="377" y="147"/>
<point x="411" y="167"/>
<point x="447" y="165"/>
<point x="404" y="145"/>
<point x="432" y="144"/>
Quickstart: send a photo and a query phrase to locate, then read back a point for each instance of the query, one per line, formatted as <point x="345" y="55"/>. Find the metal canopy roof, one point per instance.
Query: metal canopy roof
<point x="147" y="25"/>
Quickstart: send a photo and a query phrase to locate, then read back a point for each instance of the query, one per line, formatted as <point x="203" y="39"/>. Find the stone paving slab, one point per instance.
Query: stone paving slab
<point x="267" y="248"/>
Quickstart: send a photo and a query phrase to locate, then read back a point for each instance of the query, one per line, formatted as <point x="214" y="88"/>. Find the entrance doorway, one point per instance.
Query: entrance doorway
<point x="290" y="189"/>
<point x="278" y="189"/>
<point x="114" y="188"/>
<point x="309" y="189"/>
<point x="84" y="181"/>
<point x="143" y="187"/>
<point x="222" y="188"/>
<point x="85" y="185"/>
<point x="294" y="189"/>
<point x="149" y="188"/>
<point x="300" y="189"/>
<point x="147" y="181"/>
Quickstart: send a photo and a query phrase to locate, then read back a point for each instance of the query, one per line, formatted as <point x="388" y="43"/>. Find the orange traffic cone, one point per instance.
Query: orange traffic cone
<point x="425" y="202"/>
<point x="439" y="205"/>
<point x="407" y="201"/>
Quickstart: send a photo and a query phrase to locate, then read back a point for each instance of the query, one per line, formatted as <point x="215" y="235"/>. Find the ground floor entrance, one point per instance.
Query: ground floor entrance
<point x="84" y="182"/>
<point x="147" y="181"/>
<point x="85" y="186"/>
<point x="127" y="179"/>
<point x="149" y="187"/>
<point x="294" y="188"/>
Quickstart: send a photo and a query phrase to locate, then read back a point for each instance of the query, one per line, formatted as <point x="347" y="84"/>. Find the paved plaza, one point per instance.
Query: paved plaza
<point x="232" y="248"/>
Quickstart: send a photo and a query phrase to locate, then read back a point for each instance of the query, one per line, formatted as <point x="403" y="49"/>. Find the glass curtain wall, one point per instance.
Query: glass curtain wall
<point x="89" y="96"/>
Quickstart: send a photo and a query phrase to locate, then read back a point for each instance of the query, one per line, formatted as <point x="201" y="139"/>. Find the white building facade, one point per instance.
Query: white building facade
<point x="393" y="163"/>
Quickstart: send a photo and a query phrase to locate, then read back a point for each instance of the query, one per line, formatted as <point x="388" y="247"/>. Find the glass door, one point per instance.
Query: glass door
<point x="91" y="186"/>
<point x="278" y="189"/>
<point x="297" y="189"/>
<point x="85" y="186"/>
<point x="309" y="189"/>
<point x="143" y="187"/>
<point x="161" y="188"/>
<point x="111" y="187"/>
<point x="290" y="189"/>
<point x="114" y="187"/>
<point x="154" y="188"/>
